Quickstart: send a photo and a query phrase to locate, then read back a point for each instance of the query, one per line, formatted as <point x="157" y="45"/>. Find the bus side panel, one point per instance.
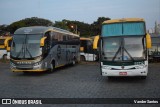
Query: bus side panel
<point x="72" y="53"/>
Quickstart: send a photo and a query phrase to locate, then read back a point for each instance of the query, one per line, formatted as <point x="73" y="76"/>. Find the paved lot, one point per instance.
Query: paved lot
<point x="80" y="81"/>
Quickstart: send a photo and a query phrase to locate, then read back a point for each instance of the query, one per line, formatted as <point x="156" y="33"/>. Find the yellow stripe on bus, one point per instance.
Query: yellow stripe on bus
<point x="37" y="70"/>
<point x="123" y="20"/>
<point x="59" y="66"/>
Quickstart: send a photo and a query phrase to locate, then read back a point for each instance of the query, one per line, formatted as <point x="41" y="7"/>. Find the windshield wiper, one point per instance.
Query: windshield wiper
<point x="120" y="47"/>
<point x="128" y="53"/>
<point x="22" y="49"/>
<point x="29" y="52"/>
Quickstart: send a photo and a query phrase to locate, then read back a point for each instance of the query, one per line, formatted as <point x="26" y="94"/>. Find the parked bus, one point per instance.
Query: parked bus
<point x="124" y="48"/>
<point x="39" y="48"/>
<point x="87" y="52"/>
<point x="154" y="52"/>
<point x="5" y="41"/>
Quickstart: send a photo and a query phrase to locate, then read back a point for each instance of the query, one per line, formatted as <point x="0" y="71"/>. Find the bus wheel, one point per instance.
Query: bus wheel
<point x="143" y="77"/>
<point x="25" y="72"/>
<point x="82" y="58"/>
<point x="4" y="57"/>
<point x="74" y="61"/>
<point x="110" y="78"/>
<point x="52" y="66"/>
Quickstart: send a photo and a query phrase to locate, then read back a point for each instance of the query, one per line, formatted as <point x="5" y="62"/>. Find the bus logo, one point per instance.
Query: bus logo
<point x="27" y="30"/>
<point x="6" y="101"/>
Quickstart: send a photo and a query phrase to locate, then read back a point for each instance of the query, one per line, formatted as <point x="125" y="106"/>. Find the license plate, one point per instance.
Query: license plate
<point x="123" y="73"/>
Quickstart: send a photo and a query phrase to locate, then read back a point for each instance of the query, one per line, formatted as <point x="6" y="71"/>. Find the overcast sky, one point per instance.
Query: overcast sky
<point x="81" y="10"/>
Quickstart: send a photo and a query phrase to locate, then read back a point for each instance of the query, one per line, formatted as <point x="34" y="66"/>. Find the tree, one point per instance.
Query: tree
<point x="62" y="24"/>
<point x="34" y="21"/>
<point x="96" y="26"/>
<point x="74" y="26"/>
<point x="84" y="29"/>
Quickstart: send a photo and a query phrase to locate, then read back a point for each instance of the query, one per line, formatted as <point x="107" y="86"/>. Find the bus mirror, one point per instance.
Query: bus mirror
<point x="7" y="43"/>
<point x="148" y="41"/>
<point x="81" y="49"/>
<point x="95" y="42"/>
<point x="42" y="42"/>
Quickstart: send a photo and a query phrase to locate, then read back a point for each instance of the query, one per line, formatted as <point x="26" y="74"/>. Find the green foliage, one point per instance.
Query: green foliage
<point x="74" y="26"/>
<point x="34" y="21"/>
<point x="2" y="29"/>
<point x="61" y="24"/>
<point x="97" y="25"/>
<point x="84" y="29"/>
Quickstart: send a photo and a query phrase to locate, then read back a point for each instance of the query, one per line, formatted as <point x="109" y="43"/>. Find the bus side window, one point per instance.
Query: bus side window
<point x="89" y="46"/>
<point x="60" y="37"/>
<point x="64" y="37"/>
<point x="9" y="43"/>
<point x="2" y="41"/>
<point x="54" y="37"/>
<point x="47" y="43"/>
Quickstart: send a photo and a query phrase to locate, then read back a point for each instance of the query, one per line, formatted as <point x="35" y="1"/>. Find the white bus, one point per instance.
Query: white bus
<point x="154" y="52"/>
<point x="39" y="48"/>
<point x="124" y="48"/>
<point x="88" y="51"/>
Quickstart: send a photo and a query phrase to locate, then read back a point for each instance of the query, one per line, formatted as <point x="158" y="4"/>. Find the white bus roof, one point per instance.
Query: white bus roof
<point x="41" y="30"/>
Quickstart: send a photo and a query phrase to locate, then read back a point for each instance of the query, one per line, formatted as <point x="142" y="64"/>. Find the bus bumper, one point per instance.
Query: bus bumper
<point x="30" y="68"/>
<point x="135" y="72"/>
<point x="35" y="70"/>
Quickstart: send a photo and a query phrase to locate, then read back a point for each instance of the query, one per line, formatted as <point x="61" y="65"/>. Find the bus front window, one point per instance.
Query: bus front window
<point x="110" y="47"/>
<point x="133" y="48"/>
<point x="26" y="46"/>
<point x="123" y="49"/>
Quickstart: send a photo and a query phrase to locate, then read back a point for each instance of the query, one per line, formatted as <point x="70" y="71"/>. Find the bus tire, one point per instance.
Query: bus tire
<point x="110" y="77"/>
<point x="52" y="66"/>
<point x="82" y="58"/>
<point x="74" y="61"/>
<point x="25" y="72"/>
<point x="4" y="57"/>
<point x="143" y="77"/>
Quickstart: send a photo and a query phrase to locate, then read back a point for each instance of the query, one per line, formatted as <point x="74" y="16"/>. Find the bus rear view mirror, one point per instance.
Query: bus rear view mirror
<point x="95" y="42"/>
<point x="42" y="42"/>
<point x="148" y="41"/>
<point x="7" y="43"/>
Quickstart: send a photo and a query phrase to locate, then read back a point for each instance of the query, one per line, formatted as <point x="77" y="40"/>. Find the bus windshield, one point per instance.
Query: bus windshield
<point x="123" y="29"/>
<point x="123" y="49"/>
<point x="26" y="46"/>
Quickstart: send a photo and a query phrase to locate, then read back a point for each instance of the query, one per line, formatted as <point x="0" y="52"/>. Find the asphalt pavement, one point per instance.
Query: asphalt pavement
<point x="79" y="81"/>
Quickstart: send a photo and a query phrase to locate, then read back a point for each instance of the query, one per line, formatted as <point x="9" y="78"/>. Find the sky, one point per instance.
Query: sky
<point x="86" y="11"/>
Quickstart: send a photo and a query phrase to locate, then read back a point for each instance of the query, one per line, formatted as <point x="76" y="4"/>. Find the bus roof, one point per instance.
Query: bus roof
<point x="124" y="20"/>
<point x="41" y="30"/>
<point x="83" y="38"/>
<point x="5" y="37"/>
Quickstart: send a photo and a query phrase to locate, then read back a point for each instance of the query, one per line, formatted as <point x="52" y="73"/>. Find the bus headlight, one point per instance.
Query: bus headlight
<point x="12" y="64"/>
<point x="37" y="64"/>
<point x="106" y="67"/>
<point x="140" y="67"/>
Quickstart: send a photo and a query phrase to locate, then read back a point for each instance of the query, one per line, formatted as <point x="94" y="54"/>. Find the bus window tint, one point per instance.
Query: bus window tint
<point x="2" y="41"/>
<point x="134" y="47"/>
<point x="110" y="47"/>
